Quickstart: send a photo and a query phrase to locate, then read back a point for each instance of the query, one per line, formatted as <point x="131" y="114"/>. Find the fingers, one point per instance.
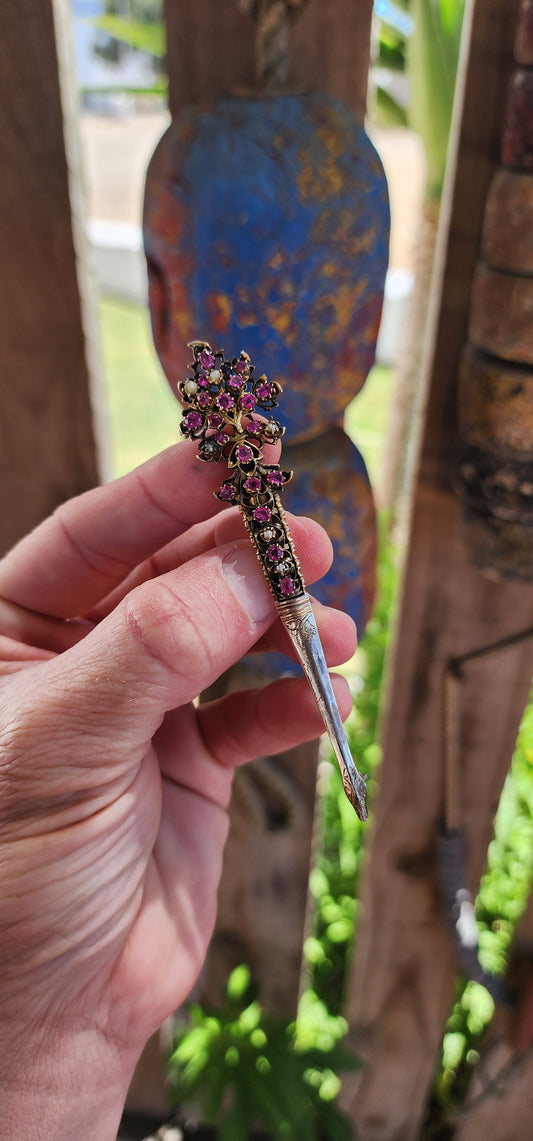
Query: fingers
<point x="92" y="543"/>
<point x="261" y="722"/>
<point x="312" y="544"/>
<point x="165" y="643"/>
<point x="37" y="630"/>
<point x="338" y="635"/>
<point x="238" y="728"/>
<point x="168" y="640"/>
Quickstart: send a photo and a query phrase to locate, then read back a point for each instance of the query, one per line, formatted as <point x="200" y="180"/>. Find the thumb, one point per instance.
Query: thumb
<point x="169" y="639"/>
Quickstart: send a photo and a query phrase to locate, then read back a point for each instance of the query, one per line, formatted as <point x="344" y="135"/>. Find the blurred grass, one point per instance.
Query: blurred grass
<point x="144" y="416"/>
<point x="367" y="419"/>
<point x="143" y="413"/>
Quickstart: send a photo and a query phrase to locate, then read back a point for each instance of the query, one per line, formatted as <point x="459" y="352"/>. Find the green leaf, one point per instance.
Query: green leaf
<point x="238" y="983"/>
<point x="147" y="37"/>
<point x="432" y="57"/>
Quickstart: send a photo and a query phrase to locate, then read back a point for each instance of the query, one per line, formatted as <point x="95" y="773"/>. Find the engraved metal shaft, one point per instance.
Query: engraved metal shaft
<point x="299" y="621"/>
<point x="224" y="399"/>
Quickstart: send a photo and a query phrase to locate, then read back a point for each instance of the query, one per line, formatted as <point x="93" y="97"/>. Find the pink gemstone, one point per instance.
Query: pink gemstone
<point x="235" y="381"/>
<point x="274" y="553"/>
<point x="194" y="420"/>
<point x="244" y="454"/>
<point x="255" y="427"/>
<point x="263" y="391"/>
<point x="275" y="478"/>
<point x="203" y="399"/>
<point x="252" y="483"/>
<point x="241" y="367"/>
<point x="215" y="421"/>
<point x="248" y="401"/>
<point x="206" y="359"/>
<point x="226" y="491"/>
<point x="262" y="514"/>
<point x="225" y="401"/>
<point x="203" y="381"/>
<point x="286" y="586"/>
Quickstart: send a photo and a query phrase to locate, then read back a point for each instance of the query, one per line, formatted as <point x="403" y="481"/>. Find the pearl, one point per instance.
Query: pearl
<point x="190" y="387"/>
<point x="215" y="375"/>
<point x="267" y="534"/>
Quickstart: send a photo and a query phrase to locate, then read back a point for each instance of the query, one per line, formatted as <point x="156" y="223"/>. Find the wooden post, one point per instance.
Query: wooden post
<point x="403" y="974"/>
<point x="211" y="51"/>
<point x="262" y="901"/>
<point x="48" y="448"/>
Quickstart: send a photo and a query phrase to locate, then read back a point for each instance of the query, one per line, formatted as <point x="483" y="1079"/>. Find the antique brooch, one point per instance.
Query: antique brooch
<point x="223" y="402"/>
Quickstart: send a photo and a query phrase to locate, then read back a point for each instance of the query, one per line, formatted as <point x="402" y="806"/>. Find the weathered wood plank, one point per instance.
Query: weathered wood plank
<point x="262" y="899"/>
<point x="404" y="968"/>
<point x="211" y="50"/>
<point x="47" y="446"/>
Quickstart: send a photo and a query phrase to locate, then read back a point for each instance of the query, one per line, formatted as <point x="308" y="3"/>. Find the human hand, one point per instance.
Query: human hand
<point x="115" y="614"/>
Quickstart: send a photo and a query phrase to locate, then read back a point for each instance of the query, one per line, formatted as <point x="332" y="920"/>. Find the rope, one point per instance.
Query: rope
<point x="272" y="39"/>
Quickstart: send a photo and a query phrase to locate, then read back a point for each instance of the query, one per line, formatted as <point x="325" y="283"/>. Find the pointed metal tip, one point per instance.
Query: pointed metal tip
<point x="355" y="789"/>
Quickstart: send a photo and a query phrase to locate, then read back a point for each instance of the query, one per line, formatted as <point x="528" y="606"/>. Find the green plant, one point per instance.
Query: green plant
<point x="502" y="897"/>
<point x="432" y="58"/>
<point x="137" y="24"/>
<point x="334" y="879"/>
<point x="146" y="37"/>
<point x="241" y="1068"/>
<point x="423" y="40"/>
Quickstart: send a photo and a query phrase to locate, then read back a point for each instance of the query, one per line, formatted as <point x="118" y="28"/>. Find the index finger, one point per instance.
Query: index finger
<point x="91" y="543"/>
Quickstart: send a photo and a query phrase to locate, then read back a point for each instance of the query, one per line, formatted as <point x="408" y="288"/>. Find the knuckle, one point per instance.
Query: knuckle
<point x="168" y="629"/>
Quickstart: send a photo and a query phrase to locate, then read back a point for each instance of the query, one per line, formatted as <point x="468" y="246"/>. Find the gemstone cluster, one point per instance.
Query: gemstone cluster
<point x="227" y="410"/>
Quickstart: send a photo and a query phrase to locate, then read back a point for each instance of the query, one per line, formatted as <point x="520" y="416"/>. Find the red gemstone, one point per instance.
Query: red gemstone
<point x="262" y="514"/>
<point x="252" y="483"/>
<point x="226" y="491"/>
<point x="215" y="421"/>
<point x="193" y="420"/>
<point x="287" y="586"/>
<point x="255" y="427"/>
<point x="263" y="391"/>
<point x="225" y="401"/>
<point x="275" y="553"/>
<point x="243" y="453"/>
<point x="206" y="359"/>
<point x="275" y="478"/>
<point x="247" y="401"/>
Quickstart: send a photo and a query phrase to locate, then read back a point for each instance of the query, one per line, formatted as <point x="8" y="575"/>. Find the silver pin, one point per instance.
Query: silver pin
<point x="220" y="400"/>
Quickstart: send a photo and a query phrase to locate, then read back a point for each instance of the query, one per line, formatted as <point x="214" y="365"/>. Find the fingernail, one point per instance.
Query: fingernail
<point x="245" y="578"/>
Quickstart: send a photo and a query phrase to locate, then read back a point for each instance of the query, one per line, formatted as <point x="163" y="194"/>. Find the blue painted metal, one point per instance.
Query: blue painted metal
<point x="266" y="229"/>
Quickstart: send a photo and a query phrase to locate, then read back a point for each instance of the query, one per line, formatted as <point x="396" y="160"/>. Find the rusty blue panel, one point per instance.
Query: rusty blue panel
<point x="267" y="221"/>
<point x="266" y="229"/>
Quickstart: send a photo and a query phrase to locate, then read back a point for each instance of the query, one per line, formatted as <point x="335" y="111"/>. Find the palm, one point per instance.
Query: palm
<point x="168" y="937"/>
<point x="113" y="785"/>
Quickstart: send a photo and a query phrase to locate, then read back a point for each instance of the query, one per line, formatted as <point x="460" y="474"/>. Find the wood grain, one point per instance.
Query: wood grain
<point x="404" y="969"/>
<point x="211" y="50"/>
<point x="47" y="442"/>
<point x="263" y="895"/>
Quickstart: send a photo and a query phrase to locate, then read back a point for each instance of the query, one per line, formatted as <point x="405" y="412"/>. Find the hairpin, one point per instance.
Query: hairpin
<point x="224" y="401"/>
